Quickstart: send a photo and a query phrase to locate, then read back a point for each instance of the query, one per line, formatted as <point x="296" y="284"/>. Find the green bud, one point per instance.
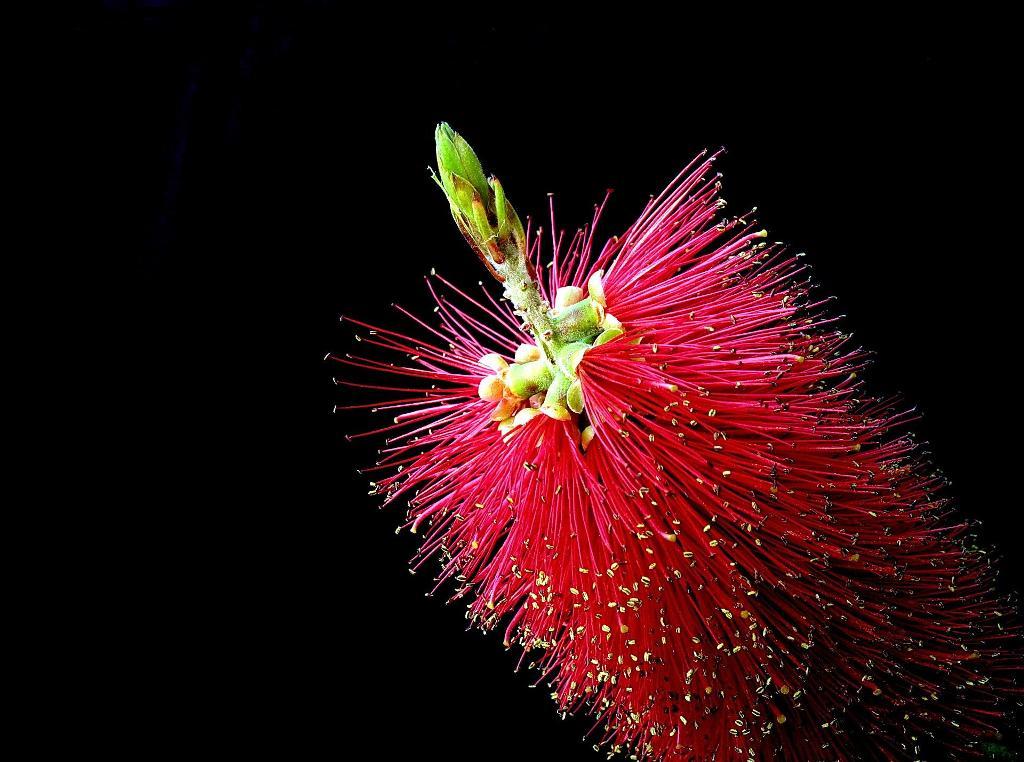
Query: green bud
<point x="579" y="322"/>
<point x="479" y="206"/>
<point x="483" y="225"/>
<point x="462" y="196"/>
<point x="501" y="207"/>
<point x="607" y="335"/>
<point x="526" y="379"/>
<point x="557" y="411"/>
<point x="557" y="390"/>
<point x="456" y="157"/>
<point x="554" y="400"/>
<point x="569" y="356"/>
<point x="574" y="396"/>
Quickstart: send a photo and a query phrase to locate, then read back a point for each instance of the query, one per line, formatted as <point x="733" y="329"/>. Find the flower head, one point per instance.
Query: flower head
<point x="655" y="464"/>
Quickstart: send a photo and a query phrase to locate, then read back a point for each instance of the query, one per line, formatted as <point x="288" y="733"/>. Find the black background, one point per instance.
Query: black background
<point x="261" y="170"/>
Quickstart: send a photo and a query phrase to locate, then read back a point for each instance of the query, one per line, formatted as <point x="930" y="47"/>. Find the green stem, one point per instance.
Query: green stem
<point x="521" y="289"/>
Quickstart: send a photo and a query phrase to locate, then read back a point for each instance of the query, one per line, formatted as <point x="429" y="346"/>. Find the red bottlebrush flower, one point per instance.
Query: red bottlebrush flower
<point x="655" y="465"/>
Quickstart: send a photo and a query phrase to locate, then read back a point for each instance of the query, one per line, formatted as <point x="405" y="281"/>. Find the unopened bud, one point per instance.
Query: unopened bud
<point x="479" y="206"/>
<point x="608" y="335"/>
<point x="580" y="321"/>
<point x="574" y="397"/>
<point x="570" y="356"/>
<point x="526" y="379"/>
<point x="456" y="160"/>
<point x="566" y="296"/>
<point x="504" y="409"/>
<point x="596" y="287"/>
<point x="494" y="362"/>
<point x="491" y="388"/>
<point x="558" y="412"/>
<point x="527" y="353"/>
<point x="525" y="415"/>
<point x="586" y="437"/>
<point x="555" y="398"/>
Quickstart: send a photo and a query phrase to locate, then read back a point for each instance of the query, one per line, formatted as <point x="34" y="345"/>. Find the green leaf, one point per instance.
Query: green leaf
<point x="472" y="169"/>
